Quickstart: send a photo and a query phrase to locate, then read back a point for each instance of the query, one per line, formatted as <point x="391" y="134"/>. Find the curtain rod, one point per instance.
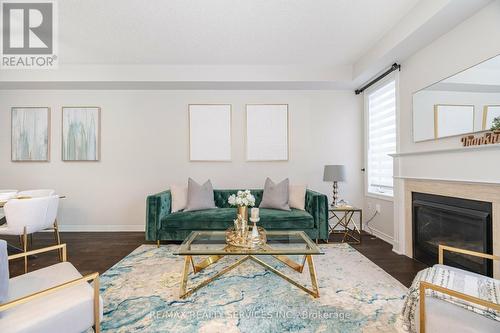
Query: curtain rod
<point x="393" y="68"/>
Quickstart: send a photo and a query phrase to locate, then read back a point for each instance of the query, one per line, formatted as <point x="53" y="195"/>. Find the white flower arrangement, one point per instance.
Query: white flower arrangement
<point x="242" y="199"/>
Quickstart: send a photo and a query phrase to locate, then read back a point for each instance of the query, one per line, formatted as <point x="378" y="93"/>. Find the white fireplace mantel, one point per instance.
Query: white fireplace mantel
<point x="448" y="150"/>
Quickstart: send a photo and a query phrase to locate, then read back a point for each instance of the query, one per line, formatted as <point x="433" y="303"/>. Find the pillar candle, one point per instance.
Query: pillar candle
<point x="254" y="213"/>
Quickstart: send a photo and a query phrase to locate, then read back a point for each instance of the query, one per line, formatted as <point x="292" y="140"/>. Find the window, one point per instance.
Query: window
<point x="381" y="138"/>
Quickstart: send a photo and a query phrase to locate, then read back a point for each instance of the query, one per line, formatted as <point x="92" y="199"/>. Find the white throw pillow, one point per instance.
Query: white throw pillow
<point x="297" y="196"/>
<point x="179" y="197"/>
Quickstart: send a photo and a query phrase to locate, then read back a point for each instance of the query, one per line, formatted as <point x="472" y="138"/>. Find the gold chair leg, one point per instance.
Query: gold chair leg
<point x="422" y="308"/>
<point x="57" y="238"/>
<point x="25" y="248"/>
<point x="97" y="317"/>
<point x="158" y="243"/>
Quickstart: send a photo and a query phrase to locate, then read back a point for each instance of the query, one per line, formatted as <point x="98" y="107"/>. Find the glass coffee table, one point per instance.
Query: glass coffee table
<point x="280" y="245"/>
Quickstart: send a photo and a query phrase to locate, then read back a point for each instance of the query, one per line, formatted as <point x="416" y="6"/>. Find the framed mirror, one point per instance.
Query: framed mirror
<point x="465" y="103"/>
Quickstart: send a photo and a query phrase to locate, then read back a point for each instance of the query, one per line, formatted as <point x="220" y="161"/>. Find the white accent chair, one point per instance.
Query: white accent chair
<point x="36" y="193"/>
<point x="436" y="315"/>
<point x="49" y="300"/>
<point x="7" y="194"/>
<point x="27" y="216"/>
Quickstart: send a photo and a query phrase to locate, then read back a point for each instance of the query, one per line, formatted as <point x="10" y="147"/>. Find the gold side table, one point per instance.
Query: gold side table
<point x="344" y="217"/>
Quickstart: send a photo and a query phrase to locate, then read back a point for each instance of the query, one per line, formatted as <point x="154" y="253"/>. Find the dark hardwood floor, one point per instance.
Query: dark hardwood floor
<point x="400" y="267"/>
<point x="98" y="251"/>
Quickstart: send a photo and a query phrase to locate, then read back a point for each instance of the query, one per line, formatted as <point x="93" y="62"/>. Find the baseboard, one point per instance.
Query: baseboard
<point x="101" y="227"/>
<point x="395" y="247"/>
<point x="379" y="234"/>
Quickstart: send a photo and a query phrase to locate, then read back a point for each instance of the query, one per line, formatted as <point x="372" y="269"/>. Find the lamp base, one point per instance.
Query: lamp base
<point x="335" y="196"/>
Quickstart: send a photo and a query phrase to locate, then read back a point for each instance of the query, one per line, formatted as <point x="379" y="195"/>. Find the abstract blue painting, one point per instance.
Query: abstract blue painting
<point x="81" y="127"/>
<point x="30" y="134"/>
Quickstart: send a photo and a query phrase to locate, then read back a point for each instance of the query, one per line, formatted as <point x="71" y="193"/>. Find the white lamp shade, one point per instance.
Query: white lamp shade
<point x="334" y="173"/>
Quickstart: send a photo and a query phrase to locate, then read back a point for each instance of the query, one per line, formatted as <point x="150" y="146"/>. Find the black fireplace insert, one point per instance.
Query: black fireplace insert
<point x="455" y="222"/>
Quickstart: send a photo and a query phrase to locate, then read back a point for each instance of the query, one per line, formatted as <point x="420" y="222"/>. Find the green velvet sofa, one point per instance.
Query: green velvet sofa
<point x="162" y="224"/>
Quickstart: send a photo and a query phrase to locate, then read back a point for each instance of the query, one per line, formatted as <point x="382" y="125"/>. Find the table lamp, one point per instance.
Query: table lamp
<point x="334" y="173"/>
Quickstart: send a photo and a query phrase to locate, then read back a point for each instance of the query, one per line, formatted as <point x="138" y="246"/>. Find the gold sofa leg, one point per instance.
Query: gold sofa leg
<point x="158" y="244"/>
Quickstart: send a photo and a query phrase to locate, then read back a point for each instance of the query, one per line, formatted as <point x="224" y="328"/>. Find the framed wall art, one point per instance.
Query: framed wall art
<point x="81" y="133"/>
<point x="490" y="112"/>
<point x="209" y="132"/>
<point x="267" y="132"/>
<point x="450" y="120"/>
<point x="30" y="134"/>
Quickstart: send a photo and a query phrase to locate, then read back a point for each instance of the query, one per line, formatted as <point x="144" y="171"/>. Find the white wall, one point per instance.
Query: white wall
<point x="469" y="43"/>
<point x="382" y="224"/>
<point x="145" y="148"/>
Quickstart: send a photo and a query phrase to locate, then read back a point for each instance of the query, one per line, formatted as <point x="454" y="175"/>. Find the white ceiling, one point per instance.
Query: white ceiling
<point x="238" y="44"/>
<point x="223" y="32"/>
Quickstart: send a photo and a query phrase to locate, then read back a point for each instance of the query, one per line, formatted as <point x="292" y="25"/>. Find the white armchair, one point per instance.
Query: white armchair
<point x="7" y="194"/>
<point x="27" y="216"/>
<point x="437" y="315"/>
<point x="36" y="193"/>
<point x="52" y="299"/>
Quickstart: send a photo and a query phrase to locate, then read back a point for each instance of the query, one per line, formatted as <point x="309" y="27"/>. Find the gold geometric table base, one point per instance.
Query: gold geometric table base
<point x="345" y="222"/>
<point x="188" y="261"/>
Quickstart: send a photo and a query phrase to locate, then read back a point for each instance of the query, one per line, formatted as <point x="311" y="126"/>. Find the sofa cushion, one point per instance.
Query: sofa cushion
<point x="280" y="219"/>
<point x="222" y="219"/>
<point x="179" y="197"/>
<point x="275" y="195"/>
<point x="297" y="196"/>
<point x="199" y="197"/>
<point x="67" y="310"/>
<point x="221" y="197"/>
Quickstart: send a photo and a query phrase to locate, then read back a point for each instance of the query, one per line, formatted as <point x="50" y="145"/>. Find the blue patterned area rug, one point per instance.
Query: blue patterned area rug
<point x="141" y="295"/>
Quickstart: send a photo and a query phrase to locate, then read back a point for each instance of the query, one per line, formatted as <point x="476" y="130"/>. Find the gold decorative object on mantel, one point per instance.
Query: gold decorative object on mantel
<point x="489" y="138"/>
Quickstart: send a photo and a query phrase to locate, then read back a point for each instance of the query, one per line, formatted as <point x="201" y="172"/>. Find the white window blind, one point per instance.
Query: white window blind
<point x="381" y="138"/>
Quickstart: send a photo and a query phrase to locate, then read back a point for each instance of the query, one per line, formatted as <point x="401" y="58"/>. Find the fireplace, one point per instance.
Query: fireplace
<point x="457" y="222"/>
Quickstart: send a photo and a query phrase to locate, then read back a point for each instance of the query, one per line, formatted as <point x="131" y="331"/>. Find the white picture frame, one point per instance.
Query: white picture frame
<point x="451" y="120"/>
<point x="490" y="112"/>
<point x="81" y="134"/>
<point x="209" y="132"/>
<point x="267" y="132"/>
<point x="30" y="134"/>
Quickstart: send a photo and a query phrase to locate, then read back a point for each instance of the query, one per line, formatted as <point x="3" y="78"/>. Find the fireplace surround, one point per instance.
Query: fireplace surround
<point x="486" y="192"/>
<point x="452" y="221"/>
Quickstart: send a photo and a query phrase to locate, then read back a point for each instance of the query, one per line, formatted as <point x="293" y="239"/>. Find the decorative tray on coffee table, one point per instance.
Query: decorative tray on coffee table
<point x="235" y="238"/>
